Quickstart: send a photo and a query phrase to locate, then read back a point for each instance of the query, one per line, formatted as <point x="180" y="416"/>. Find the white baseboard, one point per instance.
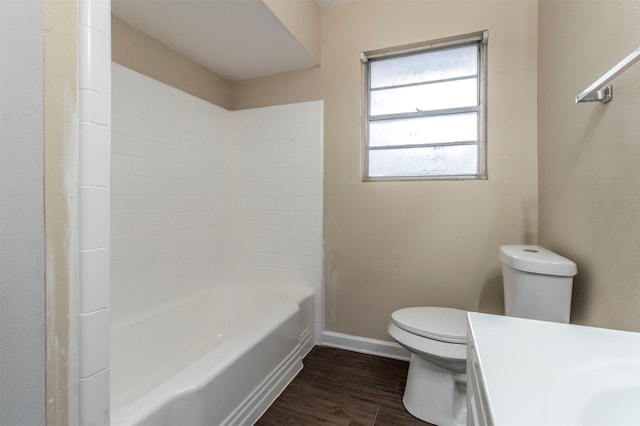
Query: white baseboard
<point x="364" y="345"/>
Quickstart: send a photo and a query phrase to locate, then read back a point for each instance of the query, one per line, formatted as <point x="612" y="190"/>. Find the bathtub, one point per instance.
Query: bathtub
<point x="220" y="357"/>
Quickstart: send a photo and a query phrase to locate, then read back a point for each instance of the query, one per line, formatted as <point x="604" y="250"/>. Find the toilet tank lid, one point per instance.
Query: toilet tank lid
<point x="537" y="260"/>
<point x="444" y="324"/>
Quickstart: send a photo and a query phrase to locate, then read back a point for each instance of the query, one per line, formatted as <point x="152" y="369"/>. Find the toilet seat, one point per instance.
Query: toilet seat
<point x="428" y="347"/>
<point x="443" y="324"/>
<point x="436" y="337"/>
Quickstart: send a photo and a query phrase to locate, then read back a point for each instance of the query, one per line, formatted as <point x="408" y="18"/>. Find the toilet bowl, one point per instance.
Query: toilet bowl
<point x="537" y="285"/>
<point x="436" y="383"/>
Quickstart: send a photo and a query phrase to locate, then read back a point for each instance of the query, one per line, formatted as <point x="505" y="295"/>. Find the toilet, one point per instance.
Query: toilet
<point x="537" y="285"/>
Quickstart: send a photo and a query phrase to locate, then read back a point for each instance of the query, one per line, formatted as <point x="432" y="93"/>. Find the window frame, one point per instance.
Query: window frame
<point x="480" y="39"/>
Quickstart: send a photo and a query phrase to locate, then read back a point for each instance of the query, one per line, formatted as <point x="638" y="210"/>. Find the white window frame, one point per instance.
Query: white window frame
<point x="366" y="58"/>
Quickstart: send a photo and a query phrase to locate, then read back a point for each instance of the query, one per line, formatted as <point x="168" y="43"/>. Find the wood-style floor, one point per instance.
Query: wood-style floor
<point x="338" y="387"/>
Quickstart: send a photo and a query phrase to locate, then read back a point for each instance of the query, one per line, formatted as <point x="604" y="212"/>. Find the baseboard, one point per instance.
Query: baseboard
<point x="364" y="345"/>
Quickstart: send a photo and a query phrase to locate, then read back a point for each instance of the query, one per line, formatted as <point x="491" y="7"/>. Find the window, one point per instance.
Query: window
<point x="425" y="111"/>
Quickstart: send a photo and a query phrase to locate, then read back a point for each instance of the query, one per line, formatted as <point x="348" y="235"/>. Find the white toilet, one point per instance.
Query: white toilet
<point x="537" y="285"/>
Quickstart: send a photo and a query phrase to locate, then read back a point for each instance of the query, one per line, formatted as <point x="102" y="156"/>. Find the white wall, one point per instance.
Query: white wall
<point x="22" y="321"/>
<point x="204" y="196"/>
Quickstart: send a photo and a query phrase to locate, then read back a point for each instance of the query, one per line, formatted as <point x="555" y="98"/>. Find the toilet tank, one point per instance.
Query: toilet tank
<point x="537" y="283"/>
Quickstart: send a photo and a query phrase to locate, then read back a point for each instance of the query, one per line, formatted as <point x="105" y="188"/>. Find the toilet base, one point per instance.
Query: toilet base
<point x="435" y="394"/>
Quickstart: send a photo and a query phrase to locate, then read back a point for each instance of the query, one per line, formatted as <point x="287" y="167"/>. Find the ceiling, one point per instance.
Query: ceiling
<point x="237" y="39"/>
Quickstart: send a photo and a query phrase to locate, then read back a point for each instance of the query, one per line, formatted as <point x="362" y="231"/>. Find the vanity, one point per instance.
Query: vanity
<point x="523" y="372"/>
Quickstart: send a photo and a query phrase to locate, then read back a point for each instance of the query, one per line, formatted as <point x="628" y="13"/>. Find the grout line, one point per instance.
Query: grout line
<point x="94" y="374"/>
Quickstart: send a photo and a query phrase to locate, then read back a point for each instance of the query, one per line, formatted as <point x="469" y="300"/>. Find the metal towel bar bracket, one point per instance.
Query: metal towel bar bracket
<point x="599" y="90"/>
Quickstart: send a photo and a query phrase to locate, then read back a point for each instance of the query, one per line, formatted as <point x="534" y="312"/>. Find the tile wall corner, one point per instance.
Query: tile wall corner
<point x="94" y="61"/>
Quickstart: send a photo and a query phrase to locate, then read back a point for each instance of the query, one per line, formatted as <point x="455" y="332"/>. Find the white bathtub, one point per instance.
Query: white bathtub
<point x="216" y="358"/>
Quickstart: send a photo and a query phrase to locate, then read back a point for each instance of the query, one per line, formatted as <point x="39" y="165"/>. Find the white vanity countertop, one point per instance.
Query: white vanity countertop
<point x="543" y="373"/>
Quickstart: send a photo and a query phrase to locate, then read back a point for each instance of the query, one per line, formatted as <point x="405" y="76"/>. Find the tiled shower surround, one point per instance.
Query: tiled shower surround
<point x="169" y="190"/>
<point x="203" y="196"/>
<point x="93" y="300"/>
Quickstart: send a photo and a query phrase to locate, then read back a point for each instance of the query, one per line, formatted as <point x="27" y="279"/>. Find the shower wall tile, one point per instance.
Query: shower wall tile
<point x="94" y="155"/>
<point x="94" y="82"/>
<point x="169" y="184"/>
<point x="311" y="129"/>
<point x="94" y="14"/>
<point x="121" y="164"/>
<point x="94" y="352"/>
<point x="275" y="193"/>
<point x="95" y="275"/>
<point x="94" y="399"/>
<point x="94" y="218"/>
<point x="93" y="67"/>
<point x="94" y="107"/>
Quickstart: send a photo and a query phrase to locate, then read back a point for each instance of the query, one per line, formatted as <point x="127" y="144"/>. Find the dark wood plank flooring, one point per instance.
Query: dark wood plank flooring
<point x="338" y="387"/>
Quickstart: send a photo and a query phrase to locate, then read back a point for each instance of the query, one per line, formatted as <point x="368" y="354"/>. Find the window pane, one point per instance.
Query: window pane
<point x="450" y="94"/>
<point x="435" y="161"/>
<point x="421" y="130"/>
<point x="423" y="67"/>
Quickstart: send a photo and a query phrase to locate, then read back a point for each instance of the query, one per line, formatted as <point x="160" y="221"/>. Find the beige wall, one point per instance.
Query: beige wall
<point x="61" y="151"/>
<point x="279" y="89"/>
<point x="396" y="244"/>
<point x="302" y="19"/>
<point x="589" y="156"/>
<point x="148" y="56"/>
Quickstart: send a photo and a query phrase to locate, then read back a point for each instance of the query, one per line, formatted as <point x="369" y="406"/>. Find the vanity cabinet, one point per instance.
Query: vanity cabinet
<point x="477" y="409"/>
<point x="537" y="373"/>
